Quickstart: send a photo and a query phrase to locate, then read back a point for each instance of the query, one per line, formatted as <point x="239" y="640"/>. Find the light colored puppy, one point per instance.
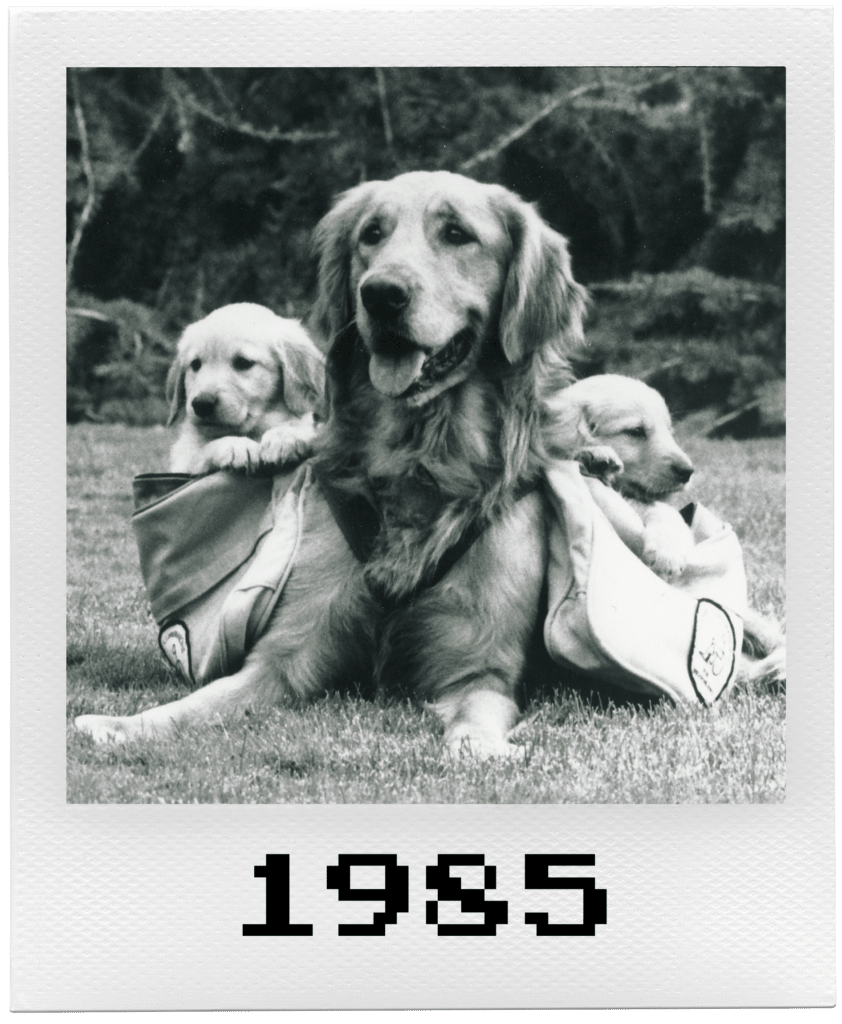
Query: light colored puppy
<point x="249" y="383"/>
<point x="620" y="430"/>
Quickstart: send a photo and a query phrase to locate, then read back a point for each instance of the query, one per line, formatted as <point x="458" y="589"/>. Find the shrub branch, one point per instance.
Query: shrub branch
<point x="88" y="170"/>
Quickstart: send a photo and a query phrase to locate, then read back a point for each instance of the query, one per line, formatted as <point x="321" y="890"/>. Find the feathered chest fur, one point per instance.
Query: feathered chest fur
<point x="430" y="473"/>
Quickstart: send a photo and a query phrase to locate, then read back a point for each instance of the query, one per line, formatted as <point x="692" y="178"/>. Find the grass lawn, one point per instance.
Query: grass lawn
<point x="345" y="749"/>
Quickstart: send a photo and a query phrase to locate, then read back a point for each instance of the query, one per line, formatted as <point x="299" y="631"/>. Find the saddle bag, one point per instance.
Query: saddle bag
<point x="215" y="553"/>
<point x="612" y="618"/>
<point x="217" y="550"/>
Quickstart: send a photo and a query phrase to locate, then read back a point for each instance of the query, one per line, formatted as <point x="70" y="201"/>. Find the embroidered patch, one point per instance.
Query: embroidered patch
<point x="174" y="640"/>
<point x="713" y="652"/>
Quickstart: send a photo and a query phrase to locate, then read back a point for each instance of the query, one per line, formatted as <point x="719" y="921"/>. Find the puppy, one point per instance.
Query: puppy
<point x="251" y="384"/>
<point x="620" y="430"/>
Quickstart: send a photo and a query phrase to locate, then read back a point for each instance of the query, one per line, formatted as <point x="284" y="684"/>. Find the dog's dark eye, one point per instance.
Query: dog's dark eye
<point x="195" y="366"/>
<point x="241" y="363"/>
<point x="371" y="234"/>
<point x="455" y="234"/>
<point x="636" y="431"/>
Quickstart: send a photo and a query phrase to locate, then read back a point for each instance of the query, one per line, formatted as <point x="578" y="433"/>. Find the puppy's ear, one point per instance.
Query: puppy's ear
<point x="175" y="392"/>
<point x="334" y="306"/>
<point x="303" y="371"/>
<point x="543" y="306"/>
<point x="566" y="426"/>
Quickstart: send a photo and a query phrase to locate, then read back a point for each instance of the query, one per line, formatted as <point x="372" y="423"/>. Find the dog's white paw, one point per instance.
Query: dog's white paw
<point x="665" y="555"/>
<point x="104" y="729"/>
<point x="279" y="446"/>
<point x="240" y="454"/>
<point x="482" y="747"/>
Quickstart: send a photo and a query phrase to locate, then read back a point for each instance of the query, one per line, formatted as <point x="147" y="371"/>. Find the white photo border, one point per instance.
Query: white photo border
<point x="141" y="907"/>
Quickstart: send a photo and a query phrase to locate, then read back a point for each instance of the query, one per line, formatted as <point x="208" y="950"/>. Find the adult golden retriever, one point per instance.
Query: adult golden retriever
<point x="450" y="308"/>
<point x="248" y="382"/>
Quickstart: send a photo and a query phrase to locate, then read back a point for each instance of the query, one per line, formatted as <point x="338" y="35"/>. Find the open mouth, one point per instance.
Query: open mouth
<point x="411" y="371"/>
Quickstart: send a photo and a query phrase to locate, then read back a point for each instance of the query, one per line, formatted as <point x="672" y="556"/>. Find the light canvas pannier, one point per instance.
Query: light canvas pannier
<point x="216" y="551"/>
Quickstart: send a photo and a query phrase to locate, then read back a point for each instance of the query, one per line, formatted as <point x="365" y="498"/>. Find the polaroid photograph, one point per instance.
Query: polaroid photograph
<point x="430" y="511"/>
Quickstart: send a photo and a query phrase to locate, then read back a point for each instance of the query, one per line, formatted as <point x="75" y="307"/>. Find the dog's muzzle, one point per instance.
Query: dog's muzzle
<point x="398" y="367"/>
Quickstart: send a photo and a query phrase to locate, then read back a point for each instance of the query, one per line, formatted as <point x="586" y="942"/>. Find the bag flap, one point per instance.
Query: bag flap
<point x="610" y="615"/>
<point x="200" y="532"/>
<point x="246" y="610"/>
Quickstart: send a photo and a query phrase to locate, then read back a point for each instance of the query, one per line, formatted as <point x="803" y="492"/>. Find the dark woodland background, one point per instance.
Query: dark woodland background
<point x="189" y="188"/>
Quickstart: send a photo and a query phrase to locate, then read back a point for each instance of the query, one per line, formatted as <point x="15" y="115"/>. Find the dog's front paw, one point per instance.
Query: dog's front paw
<point x="240" y="454"/>
<point x="280" y="446"/>
<point x="666" y="556"/>
<point x="104" y="729"/>
<point x="600" y="461"/>
<point x="481" y="746"/>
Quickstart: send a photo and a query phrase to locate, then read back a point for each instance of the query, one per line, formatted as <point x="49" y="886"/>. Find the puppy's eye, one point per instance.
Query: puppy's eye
<point x="241" y="363"/>
<point x="196" y="365"/>
<point x="371" y="234"/>
<point x="636" y="432"/>
<point x="455" y="234"/>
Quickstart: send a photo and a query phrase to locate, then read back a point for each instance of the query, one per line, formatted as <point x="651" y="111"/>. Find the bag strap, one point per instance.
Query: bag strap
<point x="355" y="516"/>
<point x="360" y="522"/>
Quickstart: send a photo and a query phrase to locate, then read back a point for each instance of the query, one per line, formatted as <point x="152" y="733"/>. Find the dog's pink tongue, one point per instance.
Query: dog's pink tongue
<point x="393" y="375"/>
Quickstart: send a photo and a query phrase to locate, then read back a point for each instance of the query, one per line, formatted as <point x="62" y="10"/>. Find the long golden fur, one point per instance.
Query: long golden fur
<point x="450" y="310"/>
<point x="248" y="383"/>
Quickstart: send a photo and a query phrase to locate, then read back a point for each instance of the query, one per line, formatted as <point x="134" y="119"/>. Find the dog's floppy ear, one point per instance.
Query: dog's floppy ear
<point x="334" y="306"/>
<point x="303" y="371"/>
<point x="566" y="426"/>
<point x="542" y="305"/>
<point x="174" y="391"/>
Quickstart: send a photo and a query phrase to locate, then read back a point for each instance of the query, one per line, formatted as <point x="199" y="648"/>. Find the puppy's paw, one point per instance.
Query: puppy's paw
<point x="282" y="445"/>
<point x="600" y="461"/>
<point x="665" y="554"/>
<point x="240" y="454"/>
<point x="103" y="730"/>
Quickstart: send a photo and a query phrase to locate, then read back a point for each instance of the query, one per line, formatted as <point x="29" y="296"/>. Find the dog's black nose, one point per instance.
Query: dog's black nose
<point x="682" y="471"/>
<point x="204" y="406"/>
<point x="384" y="300"/>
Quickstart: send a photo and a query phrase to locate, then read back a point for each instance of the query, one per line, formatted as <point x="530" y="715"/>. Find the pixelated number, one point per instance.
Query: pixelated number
<point x="537" y="876"/>
<point x="394" y="894"/>
<point x="471" y="901"/>
<point x="276" y="873"/>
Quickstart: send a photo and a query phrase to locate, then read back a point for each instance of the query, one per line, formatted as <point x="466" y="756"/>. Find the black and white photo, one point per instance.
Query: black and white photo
<point x="422" y="557"/>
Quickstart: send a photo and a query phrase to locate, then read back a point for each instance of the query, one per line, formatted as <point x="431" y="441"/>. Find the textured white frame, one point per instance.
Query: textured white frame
<point x="141" y="907"/>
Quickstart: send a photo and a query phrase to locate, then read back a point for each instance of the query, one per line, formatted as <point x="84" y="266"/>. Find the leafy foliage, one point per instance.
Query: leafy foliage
<point x="117" y="357"/>
<point x="188" y="188"/>
<point x="701" y="339"/>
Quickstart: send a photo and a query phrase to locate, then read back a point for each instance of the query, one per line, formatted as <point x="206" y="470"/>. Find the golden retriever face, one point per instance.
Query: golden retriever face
<point x="431" y="266"/>
<point x="243" y="370"/>
<point x="631" y="419"/>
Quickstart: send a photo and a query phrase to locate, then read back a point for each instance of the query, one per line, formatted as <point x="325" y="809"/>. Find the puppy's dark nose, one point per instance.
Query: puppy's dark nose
<point x="204" y="406"/>
<point x="384" y="300"/>
<point x="682" y="471"/>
